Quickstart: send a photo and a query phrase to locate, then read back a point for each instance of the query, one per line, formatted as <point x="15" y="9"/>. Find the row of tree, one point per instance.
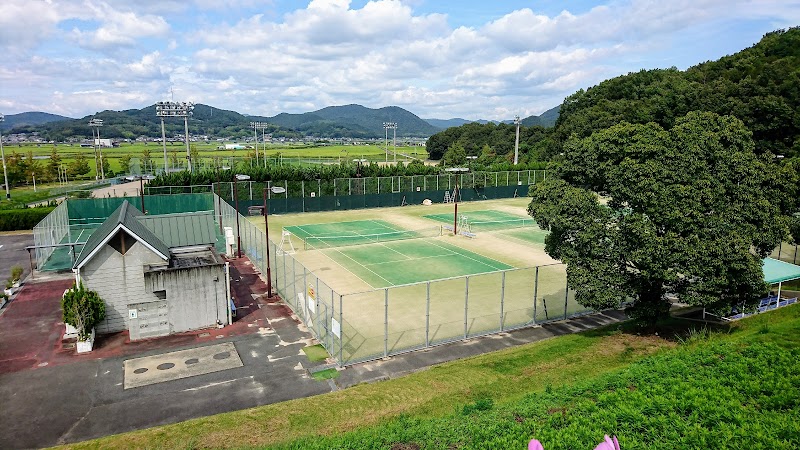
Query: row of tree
<point x="24" y="169"/>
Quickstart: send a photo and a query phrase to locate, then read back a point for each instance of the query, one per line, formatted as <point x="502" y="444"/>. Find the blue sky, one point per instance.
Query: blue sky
<point x="436" y="58"/>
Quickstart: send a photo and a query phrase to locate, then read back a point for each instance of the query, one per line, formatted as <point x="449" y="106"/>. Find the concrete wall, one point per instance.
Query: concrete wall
<point x="194" y="299"/>
<point x="119" y="280"/>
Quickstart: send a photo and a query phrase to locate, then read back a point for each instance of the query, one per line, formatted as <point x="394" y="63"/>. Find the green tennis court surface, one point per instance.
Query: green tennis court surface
<point x="342" y="234"/>
<point x="62" y="257"/>
<point x="411" y="261"/>
<point x="529" y="235"/>
<point x="486" y="220"/>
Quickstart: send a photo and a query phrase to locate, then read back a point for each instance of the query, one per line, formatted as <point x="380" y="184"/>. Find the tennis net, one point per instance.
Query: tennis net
<point x="320" y="242"/>
<point x="500" y="224"/>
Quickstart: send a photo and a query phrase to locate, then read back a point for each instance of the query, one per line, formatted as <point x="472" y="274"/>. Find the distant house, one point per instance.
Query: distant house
<point x="231" y="147"/>
<point x="157" y="274"/>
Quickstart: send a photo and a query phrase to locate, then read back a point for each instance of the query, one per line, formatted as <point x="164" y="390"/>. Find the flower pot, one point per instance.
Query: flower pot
<point x="85" y="346"/>
<point x="70" y="331"/>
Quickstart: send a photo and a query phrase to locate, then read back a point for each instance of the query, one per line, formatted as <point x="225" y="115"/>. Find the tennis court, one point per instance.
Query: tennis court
<point x="411" y="261"/>
<point x="485" y="220"/>
<point x="342" y="234"/>
<point x="527" y="235"/>
<point x="383" y="254"/>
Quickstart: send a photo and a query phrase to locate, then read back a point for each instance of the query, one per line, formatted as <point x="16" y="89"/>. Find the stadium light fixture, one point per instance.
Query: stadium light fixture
<point x="516" y="141"/>
<point x="176" y="109"/>
<point x="274" y="190"/>
<point x="238" y="177"/>
<point x="3" y="155"/>
<point x="95" y="124"/>
<point x="459" y="171"/>
<point x="260" y="126"/>
<point x="390" y="126"/>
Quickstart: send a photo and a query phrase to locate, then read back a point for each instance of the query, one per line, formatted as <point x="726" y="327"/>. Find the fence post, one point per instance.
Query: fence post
<point x="341" y="331"/>
<point x="502" y="300"/>
<point x="535" y="293"/>
<point x="334" y="187"/>
<point x="385" y="323"/>
<point x="428" y="315"/>
<point x="466" y="304"/>
<point x="566" y="299"/>
<point x="251" y="189"/>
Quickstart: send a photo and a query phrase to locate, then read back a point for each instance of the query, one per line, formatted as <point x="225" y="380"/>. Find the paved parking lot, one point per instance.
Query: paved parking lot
<point x="13" y="253"/>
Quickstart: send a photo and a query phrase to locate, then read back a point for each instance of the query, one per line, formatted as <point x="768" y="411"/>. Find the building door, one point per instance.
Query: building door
<point x="146" y="320"/>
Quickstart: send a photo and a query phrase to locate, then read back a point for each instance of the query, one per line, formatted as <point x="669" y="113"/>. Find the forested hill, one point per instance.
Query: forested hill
<point x="355" y="121"/>
<point x="760" y="85"/>
<point x="132" y="123"/>
<point x="29" y="118"/>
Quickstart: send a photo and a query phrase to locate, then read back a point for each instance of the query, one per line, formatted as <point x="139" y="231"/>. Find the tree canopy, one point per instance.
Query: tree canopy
<point x="690" y="212"/>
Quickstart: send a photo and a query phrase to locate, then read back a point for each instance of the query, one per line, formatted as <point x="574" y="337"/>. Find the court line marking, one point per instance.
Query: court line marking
<point x="351" y="259"/>
<point x="480" y="262"/>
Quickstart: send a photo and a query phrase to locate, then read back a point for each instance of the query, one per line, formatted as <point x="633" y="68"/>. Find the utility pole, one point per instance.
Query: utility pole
<point x="95" y="124"/>
<point x="3" y="155"/>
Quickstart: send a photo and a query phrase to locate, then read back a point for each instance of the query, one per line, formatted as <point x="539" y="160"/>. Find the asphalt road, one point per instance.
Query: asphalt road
<point x="13" y="253"/>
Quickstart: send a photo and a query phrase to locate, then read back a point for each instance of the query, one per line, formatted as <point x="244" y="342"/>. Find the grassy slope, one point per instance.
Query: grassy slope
<point x="566" y="391"/>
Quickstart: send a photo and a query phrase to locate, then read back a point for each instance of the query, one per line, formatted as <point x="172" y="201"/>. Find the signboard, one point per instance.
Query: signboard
<point x="336" y="328"/>
<point x="132" y="314"/>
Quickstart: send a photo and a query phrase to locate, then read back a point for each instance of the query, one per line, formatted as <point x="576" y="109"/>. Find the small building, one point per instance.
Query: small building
<point x="158" y="275"/>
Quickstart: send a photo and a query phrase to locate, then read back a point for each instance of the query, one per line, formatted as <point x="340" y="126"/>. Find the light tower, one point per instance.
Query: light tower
<point x="176" y="109"/>
<point x="393" y="126"/>
<point x="260" y="126"/>
<point x="516" y="141"/>
<point x="95" y="125"/>
<point x="3" y="155"/>
<point x="160" y="108"/>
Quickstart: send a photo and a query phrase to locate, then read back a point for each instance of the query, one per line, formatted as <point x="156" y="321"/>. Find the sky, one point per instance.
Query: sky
<point x="473" y="59"/>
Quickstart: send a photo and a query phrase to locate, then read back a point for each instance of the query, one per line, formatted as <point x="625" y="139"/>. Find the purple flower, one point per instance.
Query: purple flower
<point x="535" y="445"/>
<point x="608" y="444"/>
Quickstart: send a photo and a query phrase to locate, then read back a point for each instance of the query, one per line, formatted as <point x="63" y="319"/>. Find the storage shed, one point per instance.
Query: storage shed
<point x="157" y="274"/>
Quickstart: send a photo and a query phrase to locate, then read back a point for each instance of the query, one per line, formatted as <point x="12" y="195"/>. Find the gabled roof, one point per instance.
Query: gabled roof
<point x="182" y="230"/>
<point x="125" y="217"/>
<point x="776" y="271"/>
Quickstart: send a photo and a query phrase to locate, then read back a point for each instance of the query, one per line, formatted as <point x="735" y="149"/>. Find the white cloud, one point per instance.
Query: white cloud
<point x="265" y="60"/>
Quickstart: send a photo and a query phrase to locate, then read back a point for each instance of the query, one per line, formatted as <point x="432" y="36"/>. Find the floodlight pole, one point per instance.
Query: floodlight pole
<point x="394" y="140"/>
<point x="386" y="139"/>
<point x="516" y="141"/>
<point x="255" y="137"/>
<point x="3" y="155"/>
<point x="186" y="138"/>
<point x="95" y="124"/>
<point x="236" y="202"/>
<point x="163" y="141"/>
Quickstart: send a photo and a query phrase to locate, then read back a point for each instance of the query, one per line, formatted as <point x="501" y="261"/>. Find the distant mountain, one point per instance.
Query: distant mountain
<point x="349" y="121"/>
<point x="29" y="118"/>
<point x="547" y="119"/>
<point x="354" y="121"/>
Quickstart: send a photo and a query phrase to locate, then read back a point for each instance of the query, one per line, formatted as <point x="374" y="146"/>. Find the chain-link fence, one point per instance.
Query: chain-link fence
<point x="359" y="193"/>
<point x="50" y="232"/>
<point x="786" y="252"/>
<point x="361" y="326"/>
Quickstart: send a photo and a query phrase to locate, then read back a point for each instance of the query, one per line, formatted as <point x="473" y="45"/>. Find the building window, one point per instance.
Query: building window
<point x="162" y="294"/>
<point x="122" y="242"/>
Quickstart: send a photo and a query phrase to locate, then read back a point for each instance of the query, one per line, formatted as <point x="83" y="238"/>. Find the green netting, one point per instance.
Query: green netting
<point x="89" y="210"/>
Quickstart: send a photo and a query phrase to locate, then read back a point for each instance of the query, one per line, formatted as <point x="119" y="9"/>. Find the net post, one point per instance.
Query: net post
<point x="427" y="314"/>
<point x="466" y="304"/>
<point x="502" y="300"/>
<point x="535" y="293"/>
<point x="341" y="332"/>
<point x="385" y="322"/>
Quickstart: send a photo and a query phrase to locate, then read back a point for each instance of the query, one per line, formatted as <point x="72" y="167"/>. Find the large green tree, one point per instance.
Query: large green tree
<point x="690" y="213"/>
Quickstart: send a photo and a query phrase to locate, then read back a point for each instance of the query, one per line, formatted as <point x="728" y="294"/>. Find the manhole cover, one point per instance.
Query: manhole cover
<point x="205" y="334"/>
<point x="192" y="361"/>
<point x="165" y="366"/>
<point x="140" y="370"/>
<point x="222" y="355"/>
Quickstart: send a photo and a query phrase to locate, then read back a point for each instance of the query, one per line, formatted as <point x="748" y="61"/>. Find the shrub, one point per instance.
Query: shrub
<point x="22" y="219"/>
<point x="83" y="309"/>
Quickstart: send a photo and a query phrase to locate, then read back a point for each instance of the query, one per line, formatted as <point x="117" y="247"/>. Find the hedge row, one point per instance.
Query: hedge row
<point x="22" y="219"/>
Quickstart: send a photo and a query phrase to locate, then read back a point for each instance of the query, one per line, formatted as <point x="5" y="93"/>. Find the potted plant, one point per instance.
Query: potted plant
<point x="83" y="309"/>
<point x="12" y="284"/>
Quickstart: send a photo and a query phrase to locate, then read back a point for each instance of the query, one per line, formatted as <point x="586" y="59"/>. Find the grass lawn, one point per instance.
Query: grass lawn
<point x="315" y="352"/>
<point x="733" y="388"/>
